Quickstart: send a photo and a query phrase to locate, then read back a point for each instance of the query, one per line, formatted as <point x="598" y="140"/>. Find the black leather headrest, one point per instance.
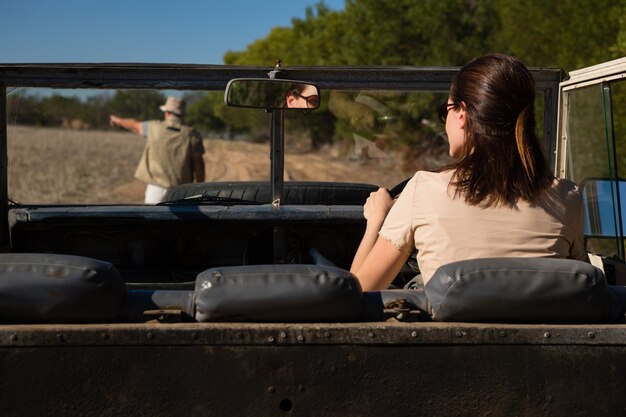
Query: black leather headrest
<point x="52" y="288"/>
<point x="520" y="290"/>
<point x="278" y="293"/>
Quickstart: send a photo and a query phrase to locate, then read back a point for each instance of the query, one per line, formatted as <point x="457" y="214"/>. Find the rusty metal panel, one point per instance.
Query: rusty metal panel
<point x="312" y="370"/>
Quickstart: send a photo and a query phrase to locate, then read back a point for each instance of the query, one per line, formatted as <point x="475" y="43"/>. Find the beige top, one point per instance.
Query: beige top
<point x="445" y="229"/>
<point x="167" y="159"/>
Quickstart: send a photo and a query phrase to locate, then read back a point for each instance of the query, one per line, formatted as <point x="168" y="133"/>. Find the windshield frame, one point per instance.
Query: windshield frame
<point x="216" y="77"/>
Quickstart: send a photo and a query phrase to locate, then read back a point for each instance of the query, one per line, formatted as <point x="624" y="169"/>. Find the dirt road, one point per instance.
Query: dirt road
<point x="55" y="165"/>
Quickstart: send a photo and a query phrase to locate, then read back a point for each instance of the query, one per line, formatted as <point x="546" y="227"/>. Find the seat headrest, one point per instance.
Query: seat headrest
<point x="278" y="293"/>
<point x="533" y="290"/>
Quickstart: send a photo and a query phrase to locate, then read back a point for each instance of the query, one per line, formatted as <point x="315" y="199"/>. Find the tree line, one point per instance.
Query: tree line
<point x="92" y="112"/>
<point x="568" y="34"/>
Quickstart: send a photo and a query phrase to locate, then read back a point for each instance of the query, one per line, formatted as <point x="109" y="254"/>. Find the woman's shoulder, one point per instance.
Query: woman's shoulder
<point x="435" y="177"/>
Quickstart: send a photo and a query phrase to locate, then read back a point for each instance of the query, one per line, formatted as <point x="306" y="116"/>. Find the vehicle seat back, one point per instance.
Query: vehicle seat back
<point x="52" y="288"/>
<point x="278" y="293"/>
<point x="513" y="290"/>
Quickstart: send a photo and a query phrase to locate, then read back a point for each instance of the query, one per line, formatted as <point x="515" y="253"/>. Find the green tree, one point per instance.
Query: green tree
<point x="57" y="109"/>
<point x="95" y="111"/>
<point x="378" y="32"/>
<point x="138" y="104"/>
<point x="406" y="32"/>
<point x="385" y="32"/>
<point x="24" y="109"/>
<point x="568" y="34"/>
<point x="202" y="114"/>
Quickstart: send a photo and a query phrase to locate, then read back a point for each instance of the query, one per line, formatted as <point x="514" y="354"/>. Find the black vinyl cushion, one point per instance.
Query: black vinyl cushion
<point x="538" y="290"/>
<point x="295" y="192"/>
<point x="51" y="288"/>
<point x="278" y="293"/>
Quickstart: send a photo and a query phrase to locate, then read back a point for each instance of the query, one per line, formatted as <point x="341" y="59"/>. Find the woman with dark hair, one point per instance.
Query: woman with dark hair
<point x="499" y="199"/>
<point x="302" y="96"/>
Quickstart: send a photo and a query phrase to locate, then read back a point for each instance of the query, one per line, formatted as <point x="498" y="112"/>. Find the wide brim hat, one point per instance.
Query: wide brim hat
<point x="174" y="105"/>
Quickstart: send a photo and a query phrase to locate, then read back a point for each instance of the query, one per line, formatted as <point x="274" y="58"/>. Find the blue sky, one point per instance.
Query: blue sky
<point x="155" y="31"/>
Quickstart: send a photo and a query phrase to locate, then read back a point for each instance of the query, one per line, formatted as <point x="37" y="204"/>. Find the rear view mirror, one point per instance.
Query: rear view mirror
<point x="265" y="93"/>
<point x="605" y="203"/>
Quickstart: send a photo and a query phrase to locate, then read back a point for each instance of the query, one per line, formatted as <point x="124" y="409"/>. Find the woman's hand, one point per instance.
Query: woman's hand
<point x="382" y="260"/>
<point x="376" y="207"/>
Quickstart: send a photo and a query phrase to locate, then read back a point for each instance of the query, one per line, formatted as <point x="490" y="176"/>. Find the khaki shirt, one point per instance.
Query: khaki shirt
<point x="167" y="159"/>
<point x="445" y="229"/>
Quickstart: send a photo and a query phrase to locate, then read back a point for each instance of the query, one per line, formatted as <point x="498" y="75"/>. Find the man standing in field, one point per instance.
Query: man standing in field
<point x="173" y="152"/>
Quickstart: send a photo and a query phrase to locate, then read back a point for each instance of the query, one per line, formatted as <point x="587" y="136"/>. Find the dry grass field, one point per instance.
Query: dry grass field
<point x="55" y="165"/>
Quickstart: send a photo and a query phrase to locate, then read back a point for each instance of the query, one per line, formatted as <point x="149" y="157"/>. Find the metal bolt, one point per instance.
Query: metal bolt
<point x="13" y="337"/>
<point x="60" y="338"/>
<point x="271" y="339"/>
<point x="271" y="390"/>
<point x="591" y="335"/>
<point x="414" y="334"/>
<point x="459" y="334"/>
<point x="327" y="335"/>
<point x="282" y="335"/>
<point x="301" y="388"/>
<point x="502" y="334"/>
<point x="300" y="338"/>
<point x="371" y="334"/>
<point x="547" y="335"/>
<point x="150" y="335"/>
<point x="104" y="336"/>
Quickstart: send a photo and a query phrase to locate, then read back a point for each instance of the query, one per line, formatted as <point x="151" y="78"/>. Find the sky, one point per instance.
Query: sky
<point x="140" y="31"/>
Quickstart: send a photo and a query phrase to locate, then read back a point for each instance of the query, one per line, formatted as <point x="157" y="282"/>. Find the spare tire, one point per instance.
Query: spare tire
<point x="295" y="192"/>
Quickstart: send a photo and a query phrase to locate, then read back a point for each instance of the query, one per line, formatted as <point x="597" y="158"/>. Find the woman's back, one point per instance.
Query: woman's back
<point x="445" y="229"/>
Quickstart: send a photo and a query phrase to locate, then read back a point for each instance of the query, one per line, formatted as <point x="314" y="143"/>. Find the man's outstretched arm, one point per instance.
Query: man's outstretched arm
<point x="133" y="125"/>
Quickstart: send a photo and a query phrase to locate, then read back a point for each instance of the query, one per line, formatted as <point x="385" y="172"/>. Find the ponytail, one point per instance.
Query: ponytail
<point x="523" y="145"/>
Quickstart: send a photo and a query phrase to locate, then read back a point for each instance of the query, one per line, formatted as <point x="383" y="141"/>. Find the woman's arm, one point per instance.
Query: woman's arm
<point x="380" y="266"/>
<point x="377" y="261"/>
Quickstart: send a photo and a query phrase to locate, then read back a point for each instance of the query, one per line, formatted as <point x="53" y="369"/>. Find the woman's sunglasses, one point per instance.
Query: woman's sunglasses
<point x="443" y="109"/>
<point x="312" y="101"/>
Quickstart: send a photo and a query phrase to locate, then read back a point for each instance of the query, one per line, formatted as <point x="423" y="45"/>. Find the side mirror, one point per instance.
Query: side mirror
<point x="266" y="93"/>
<point x="605" y="203"/>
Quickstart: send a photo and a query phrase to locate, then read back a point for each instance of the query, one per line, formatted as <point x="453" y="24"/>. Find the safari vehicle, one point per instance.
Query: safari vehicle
<point x="233" y="296"/>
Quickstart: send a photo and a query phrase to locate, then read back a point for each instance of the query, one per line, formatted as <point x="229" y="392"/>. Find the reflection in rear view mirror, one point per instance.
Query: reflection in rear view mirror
<point x="265" y="93"/>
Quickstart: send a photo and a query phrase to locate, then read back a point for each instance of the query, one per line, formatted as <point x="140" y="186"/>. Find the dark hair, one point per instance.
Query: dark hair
<point x="298" y="87"/>
<point x="294" y="89"/>
<point x="501" y="159"/>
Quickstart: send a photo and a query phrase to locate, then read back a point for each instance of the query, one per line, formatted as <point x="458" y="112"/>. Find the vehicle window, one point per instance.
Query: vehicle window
<point x="588" y="150"/>
<point x="592" y="160"/>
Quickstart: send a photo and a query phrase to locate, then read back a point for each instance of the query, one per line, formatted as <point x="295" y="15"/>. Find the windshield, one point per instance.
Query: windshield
<point x="73" y="154"/>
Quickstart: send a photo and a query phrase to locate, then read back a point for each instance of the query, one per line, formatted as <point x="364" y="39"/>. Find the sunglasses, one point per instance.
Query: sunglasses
<point x="312" y="101"/>
<point x="443" y="109"/>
